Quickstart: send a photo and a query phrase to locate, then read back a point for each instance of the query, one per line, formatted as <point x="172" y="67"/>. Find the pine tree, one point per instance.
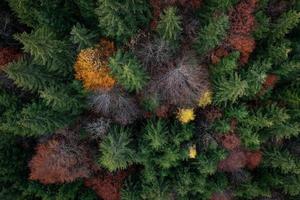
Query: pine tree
<point x="128" y="71"/>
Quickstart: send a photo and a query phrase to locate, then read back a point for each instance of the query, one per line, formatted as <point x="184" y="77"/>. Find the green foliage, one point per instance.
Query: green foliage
<point x="122" y="19"/>
<point x="46" y="49"/>
<point x="82" y="37"/>
<point x="229" y="90"/>
<point x="284" y="24"/>
<point x="155" y="134"/>
<point x="212" y="34"/>
<point x="170" y="25"/>
<point x="116" y="151"/>
<point x="282" y="160"/>
<point x="51" y="13"/>
<point x="128" y="71"/>
<point x="69" y="98"/>
<point x="28" y="75"/>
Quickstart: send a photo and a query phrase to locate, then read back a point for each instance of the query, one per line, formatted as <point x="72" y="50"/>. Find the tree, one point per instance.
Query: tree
<point x="116" y="105"/>
<point x="116" y="151"/>
<point x="128" y="71"/>
<point x="122" y="19"/>
<point x="60" y="160"/>
<point x="211" y="35"/>
<point x="170" y="25"/>
<point x="46" y="49"/>
<point x="82" y="36"/>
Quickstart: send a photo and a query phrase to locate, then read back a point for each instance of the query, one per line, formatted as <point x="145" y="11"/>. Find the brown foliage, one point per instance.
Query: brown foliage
<point x="60" y="160"/>
<point x="8" y="55"/>
<point x="212" y="113"/>
<point x="221" y="196"/>
<point x="218" y="54"/>
<point x="230" y="141"/>
<point x="236" y="160"/>
<point x="108" y="185"/>
<point x="163" y="111"/>
<point x="244" y="44"/>
<point x="253" y="159"/>
<point x="181" y="86"/>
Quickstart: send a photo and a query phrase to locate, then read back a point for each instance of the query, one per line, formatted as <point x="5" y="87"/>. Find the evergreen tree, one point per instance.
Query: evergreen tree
<point x="128" y="71"/>
<point x="170" y="25"/>
<point x="212" y="34"/>
<point x="116" y="151"/>
<point x="82" y="37"/>
<point x="122" y="19"/>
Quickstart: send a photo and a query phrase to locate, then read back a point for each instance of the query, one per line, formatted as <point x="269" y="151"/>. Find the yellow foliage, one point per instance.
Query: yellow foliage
<point x="205" y="99"/>
<point x="91" y="66"/>
<point x="192" y="151"/>
<point x="185" y="115"/>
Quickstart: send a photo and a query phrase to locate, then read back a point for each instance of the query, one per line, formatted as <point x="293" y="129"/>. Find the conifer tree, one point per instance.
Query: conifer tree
<point x="128" y="71"/>
<point x="212" y="34"/>
<point x="116" y="151"/>
<point x="170" y="25"/>
<point x="82" y="37"/>
<point x="122" y="19"/>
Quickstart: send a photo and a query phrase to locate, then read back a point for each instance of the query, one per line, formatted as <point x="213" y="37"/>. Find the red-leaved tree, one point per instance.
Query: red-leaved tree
<point x="108" y="185"/>
<point x="60" y="160"/>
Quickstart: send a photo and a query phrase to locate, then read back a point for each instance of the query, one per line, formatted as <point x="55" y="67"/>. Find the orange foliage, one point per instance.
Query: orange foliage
<point x="59" y="160"/>
<point x="8" y="55"/>
<point x="108" y="185"/>
<point x="253" y="159"/>
<point x="244" y="44"/>
<point x="91" y="66"/>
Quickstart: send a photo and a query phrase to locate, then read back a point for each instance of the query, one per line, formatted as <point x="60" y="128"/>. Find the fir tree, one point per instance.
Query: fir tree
<point x="82" y="37"/>
<point x="115" y="149"/>
<point x="212" y="34"/>
<point x="121" y="19"/>
<point x="170" y="25"/>
<point x="128" y="71"/>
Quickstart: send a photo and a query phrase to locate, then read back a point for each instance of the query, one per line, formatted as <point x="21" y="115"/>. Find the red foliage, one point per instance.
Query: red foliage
<point x="108" y="185"/>
<point x="163" y="111"/>
<point x="212" y="113"/>
<point x="253" y="159"/>
<point x="235" y="161"/>
<point x="221" y="196"/>
<point x="241" y="17"/>
<point x="270" y="81"/>
<point x="230" y="141"/>
<point x="218" y="54"/>
<point x="244" y="44"/>
<point x="8" y="55"/>
<point x="59" y="160"/>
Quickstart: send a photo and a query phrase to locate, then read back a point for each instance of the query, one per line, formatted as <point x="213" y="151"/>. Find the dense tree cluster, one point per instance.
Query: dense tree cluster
<point x="149" y="100"/>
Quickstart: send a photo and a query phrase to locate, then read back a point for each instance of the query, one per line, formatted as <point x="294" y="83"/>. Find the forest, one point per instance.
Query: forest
<point x="150" y="100"/>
